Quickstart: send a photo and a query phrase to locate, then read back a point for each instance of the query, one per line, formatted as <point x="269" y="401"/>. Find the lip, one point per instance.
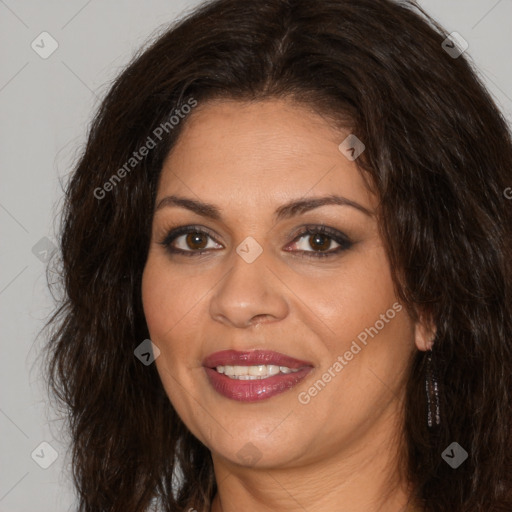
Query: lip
<point x="259" y="389"/>
<point x="251" y="358"/>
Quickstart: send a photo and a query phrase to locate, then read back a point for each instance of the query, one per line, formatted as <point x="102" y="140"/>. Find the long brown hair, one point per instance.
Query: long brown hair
<point x="439" y="156"/>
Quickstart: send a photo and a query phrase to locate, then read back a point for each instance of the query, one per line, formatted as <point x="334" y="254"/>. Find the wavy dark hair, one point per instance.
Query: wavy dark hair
<point x="439" y="156"/>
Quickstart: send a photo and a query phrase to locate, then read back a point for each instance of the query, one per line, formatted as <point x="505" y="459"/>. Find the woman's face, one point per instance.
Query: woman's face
<point x="248" y="278"/>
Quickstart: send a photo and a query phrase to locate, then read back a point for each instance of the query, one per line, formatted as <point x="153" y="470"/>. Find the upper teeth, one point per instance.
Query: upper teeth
<point x="253" y="372"/>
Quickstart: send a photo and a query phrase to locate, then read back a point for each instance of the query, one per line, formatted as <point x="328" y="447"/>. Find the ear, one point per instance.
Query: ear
<point x="424" y="333"/>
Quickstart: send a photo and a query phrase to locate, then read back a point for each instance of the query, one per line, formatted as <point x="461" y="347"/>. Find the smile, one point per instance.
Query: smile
<point x="261" y="371"/>
<point x="259" y="374"/>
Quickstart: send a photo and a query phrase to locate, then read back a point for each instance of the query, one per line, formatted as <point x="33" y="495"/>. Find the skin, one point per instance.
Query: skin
<point x="341" y="447"/>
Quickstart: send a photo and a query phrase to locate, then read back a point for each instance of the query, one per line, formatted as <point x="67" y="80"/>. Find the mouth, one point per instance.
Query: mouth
<point x="255" y="375"/>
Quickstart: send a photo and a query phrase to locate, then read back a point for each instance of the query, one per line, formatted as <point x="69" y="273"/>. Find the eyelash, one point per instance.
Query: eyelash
<point x="338" y="237"/>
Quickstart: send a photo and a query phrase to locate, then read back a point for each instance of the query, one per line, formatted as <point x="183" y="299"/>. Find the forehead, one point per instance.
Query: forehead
<point x="255" y="151"/>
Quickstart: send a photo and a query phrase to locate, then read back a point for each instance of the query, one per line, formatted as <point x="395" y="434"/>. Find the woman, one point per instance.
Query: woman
<point x="286" y="254"/>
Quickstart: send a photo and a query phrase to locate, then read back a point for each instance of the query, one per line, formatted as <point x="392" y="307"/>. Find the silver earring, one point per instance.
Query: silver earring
<point x="432" y="389"/>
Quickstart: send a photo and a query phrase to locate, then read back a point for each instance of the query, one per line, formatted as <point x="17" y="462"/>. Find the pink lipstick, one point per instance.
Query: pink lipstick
<point x="253" y="375"/>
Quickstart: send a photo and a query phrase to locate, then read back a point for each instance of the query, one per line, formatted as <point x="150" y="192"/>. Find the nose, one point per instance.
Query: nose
<point x="250" y="293"/>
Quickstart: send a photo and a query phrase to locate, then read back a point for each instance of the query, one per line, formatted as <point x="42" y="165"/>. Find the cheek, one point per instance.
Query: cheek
<point x="368" y="328"/>
<point x="353" y="297"/>
<point x="165" y="305"/>
<point x="166" y="292"/>
<point x="162" y="300"/>
<point x="152" y="298"/>
<point x="173" y="303"/>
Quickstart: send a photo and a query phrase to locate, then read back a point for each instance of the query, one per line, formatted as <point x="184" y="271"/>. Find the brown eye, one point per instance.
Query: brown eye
<point x="320" y="242"/>
<point x="196" y="240"/>
<point x="189" y="241"/>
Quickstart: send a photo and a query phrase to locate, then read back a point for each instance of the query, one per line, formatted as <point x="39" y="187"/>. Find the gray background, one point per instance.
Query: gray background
<point x="45" y="108"/>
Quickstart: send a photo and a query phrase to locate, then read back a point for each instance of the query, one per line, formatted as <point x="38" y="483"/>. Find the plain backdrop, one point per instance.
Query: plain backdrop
<point x="46" y="105"/>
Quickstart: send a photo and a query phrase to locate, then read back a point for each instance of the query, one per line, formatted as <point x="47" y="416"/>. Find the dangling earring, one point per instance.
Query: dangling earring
<point x="432" y="389"/>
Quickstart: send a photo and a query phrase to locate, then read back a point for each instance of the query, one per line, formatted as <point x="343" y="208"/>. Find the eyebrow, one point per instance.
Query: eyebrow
<point x="291" y="209"/>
